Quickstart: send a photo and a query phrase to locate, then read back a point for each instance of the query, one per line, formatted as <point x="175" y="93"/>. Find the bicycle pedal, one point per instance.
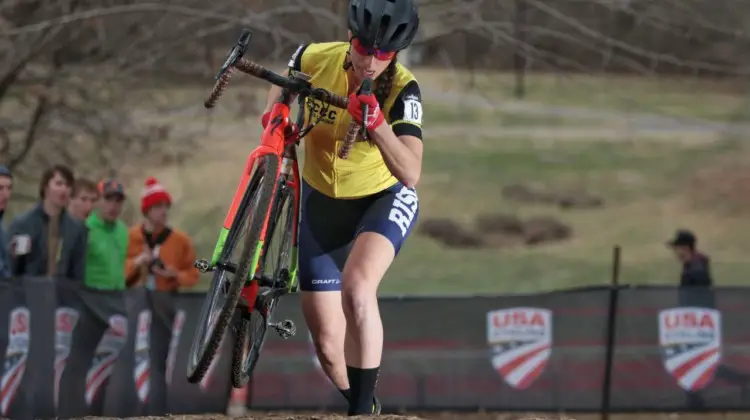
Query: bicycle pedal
<point x="202" y="265"/>
<point x="285" y="328"/>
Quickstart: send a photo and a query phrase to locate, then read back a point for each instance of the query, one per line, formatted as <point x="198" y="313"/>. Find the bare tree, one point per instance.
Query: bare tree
<point x="59" y="98"/>
<point x="68" y="69"/>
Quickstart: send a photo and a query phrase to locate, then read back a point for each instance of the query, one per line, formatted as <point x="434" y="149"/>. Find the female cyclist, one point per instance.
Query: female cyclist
<point x="357" y="212"/>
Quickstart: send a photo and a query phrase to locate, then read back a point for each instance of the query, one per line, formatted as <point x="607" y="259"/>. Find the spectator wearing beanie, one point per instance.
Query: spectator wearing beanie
<point x="159" y="257"/>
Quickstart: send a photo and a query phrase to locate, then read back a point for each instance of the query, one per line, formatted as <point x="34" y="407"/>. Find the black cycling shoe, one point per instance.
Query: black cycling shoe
<point x="376" y="407"/>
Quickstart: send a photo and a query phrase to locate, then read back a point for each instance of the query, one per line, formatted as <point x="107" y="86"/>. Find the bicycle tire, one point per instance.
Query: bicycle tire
<point x="206" y="343"/>
<point x="244" y="363"/>
<point x="248" y="344"/>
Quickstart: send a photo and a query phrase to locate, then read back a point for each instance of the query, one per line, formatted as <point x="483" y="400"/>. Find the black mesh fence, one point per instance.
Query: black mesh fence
<point x="67" y="351"/>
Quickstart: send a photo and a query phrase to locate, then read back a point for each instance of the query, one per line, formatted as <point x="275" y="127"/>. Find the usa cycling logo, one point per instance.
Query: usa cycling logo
<point x="65" y="322"/>
<point x="105" y="356"/>
<point x="174" y="343"/>
<point x="690" y="340"/>
<point x="520" y="342"/>
<point x="142" y="370"/>
<point x="16" y="354"/>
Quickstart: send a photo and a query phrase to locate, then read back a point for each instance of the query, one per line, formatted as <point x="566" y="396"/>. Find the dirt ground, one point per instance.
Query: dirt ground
<point x="450" y="416"/>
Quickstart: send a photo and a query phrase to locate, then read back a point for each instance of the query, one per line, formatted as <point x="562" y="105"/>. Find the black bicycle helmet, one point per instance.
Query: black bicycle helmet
<point x="388" y="25"/>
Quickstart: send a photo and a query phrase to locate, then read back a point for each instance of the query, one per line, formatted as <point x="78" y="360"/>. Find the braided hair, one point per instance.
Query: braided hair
<point x="384" y="83"/>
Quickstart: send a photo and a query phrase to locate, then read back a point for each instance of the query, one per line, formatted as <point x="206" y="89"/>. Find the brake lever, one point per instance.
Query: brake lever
<point x="365" y="89"/>
<point x="236" y="53"/>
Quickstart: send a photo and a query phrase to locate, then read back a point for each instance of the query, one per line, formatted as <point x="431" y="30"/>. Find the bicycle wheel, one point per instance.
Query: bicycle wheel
<point x="253" y="326"/>
<point x="224" y="293"/>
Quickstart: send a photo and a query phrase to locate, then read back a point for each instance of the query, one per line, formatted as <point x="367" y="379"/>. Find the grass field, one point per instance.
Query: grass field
<point x="720" y="100"/>
<point x="647" y="180"/>
<point x="602" y="135"/>
<point x="645" y="200"/>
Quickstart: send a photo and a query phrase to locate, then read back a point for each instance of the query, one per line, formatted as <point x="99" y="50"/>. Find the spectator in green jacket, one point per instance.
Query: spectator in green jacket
<point x="108" y="239"/>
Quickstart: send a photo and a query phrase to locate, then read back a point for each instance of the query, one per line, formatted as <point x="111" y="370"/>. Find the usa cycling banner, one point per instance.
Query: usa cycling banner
<point x="682" y="349"/>
<point x="90" y="332"/>
<point x="521" y="343"/>
<point x="536" y="352"/>
<point x="67" y="351"/>
<point x="503" y="353"/>
<point x="26" y="327"/>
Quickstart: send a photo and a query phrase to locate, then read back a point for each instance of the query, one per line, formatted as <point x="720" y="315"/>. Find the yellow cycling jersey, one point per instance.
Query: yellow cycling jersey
<point x="364" y="171"/>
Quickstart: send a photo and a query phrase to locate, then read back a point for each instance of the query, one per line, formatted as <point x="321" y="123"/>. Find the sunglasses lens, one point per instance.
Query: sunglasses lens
<point x="362" y="50"/>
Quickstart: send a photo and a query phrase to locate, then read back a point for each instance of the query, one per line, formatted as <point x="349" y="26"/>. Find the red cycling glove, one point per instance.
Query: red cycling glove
<point x="374" y="115"/>
<point x="291" y="129"/>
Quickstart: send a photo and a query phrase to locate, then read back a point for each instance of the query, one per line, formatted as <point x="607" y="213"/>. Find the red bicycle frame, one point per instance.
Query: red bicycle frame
<point x="276" y="145"/>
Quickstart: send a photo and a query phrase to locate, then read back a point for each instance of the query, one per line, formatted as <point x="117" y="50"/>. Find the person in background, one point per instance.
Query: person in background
<point x="85" y="193"/>
<point x="46" y="241"/>
<point x="696" y="269"/>
<point x="696" y="291"/>
<point x="6" y="187"/>
<point x="108" y="239"/>
<point x="159" y="257"/>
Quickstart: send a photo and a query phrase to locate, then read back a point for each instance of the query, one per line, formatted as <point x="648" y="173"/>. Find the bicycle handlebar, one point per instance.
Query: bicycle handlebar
<point x="297" y="83"/>
<point x="254" y="69"/>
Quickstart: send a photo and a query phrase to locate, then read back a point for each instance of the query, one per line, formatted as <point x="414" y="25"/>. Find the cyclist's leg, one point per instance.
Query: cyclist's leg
<point x="384" y="228"/>
<point x="325" y="233"/>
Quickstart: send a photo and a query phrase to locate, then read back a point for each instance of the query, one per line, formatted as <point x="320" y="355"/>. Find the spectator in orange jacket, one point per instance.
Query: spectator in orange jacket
<point x="159" y="257"/>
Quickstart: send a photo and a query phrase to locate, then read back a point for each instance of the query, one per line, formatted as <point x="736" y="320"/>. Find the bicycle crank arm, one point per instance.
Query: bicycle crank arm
<point x="205" y="267"/>
<point x="285" y="328"/>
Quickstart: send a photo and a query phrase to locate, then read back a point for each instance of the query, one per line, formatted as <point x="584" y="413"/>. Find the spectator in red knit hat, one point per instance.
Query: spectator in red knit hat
<point x="159" y="257"/>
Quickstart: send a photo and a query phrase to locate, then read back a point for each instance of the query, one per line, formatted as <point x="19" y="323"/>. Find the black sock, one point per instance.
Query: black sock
<point x="347" y="393"/>
<point x="362" y="383"/>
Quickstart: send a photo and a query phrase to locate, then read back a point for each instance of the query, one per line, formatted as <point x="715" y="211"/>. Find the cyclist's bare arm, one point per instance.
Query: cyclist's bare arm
<point x="273" y="94"/>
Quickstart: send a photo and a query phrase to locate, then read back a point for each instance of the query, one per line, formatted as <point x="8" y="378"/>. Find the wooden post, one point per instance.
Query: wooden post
<point x="611" y="332"/>
<point x="519" y="49"/>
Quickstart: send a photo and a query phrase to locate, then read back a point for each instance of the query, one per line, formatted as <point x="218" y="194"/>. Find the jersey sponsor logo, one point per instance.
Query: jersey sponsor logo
<point x="690" y="340"/>
<point x="326" y="281"/>
<point x="520" y="341"/>
<point x="294" y="56"/>
<point x="404" y="209"/>
<point x="321" y="112"/>
<point x="16" y="354"/>
<point x="65" y="322"/>
<point x="412" y="109"/>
